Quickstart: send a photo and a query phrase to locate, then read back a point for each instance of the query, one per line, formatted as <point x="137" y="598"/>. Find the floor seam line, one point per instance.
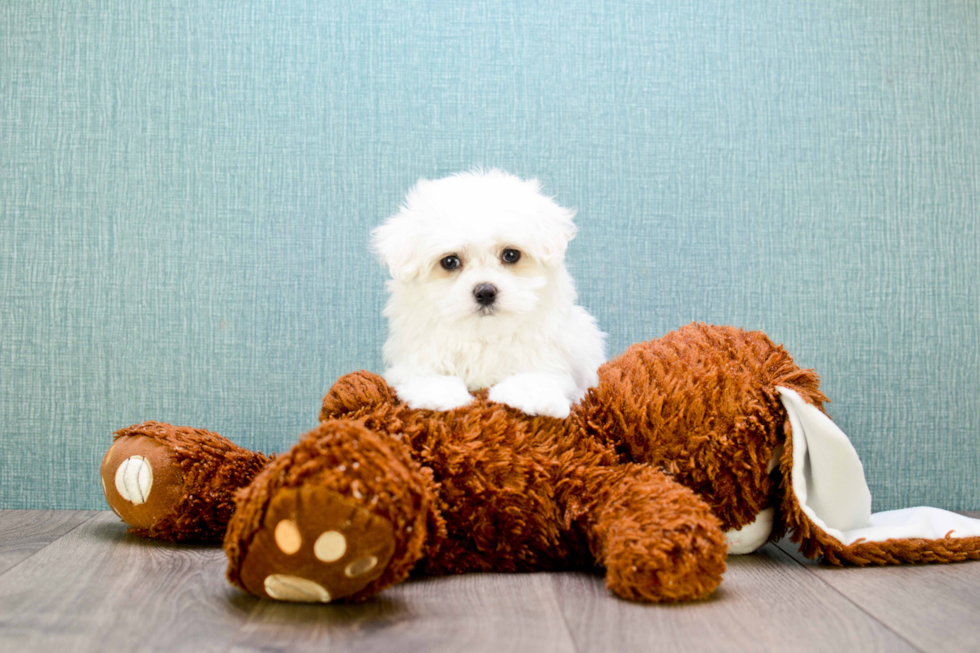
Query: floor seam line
<point x="848" y="599"/>
<point x="95" y="513"/>
<point x="561" y="611"/>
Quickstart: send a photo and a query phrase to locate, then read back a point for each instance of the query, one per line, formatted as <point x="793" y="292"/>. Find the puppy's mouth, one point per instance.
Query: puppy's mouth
<point x="484" y="311"/>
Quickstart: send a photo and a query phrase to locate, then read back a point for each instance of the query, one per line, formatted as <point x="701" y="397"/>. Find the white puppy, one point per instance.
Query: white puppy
<point x="480" y="297"/>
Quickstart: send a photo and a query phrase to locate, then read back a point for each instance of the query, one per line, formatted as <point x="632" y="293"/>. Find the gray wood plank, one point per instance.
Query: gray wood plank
<point x="472" y="612"/>
<point x="766" y="602"/>
<point x="935" y="607"/>
<point x="100" y="589"/>
<point x="25" y="532"/>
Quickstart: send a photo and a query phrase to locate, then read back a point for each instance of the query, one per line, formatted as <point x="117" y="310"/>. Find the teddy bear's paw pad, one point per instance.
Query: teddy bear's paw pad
<point x="284" y="587"/>
<point x="140" y="480"/>
<point x="316" y="546"/>
<point x="134" y="479"/>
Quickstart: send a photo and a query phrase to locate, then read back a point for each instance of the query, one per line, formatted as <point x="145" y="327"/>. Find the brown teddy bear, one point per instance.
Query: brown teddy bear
<point x="684" y="449"/>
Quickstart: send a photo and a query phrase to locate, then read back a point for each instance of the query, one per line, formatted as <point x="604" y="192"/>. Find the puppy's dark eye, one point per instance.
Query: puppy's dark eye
<point x="510" y="256"/>
<point x="450" y="262"/>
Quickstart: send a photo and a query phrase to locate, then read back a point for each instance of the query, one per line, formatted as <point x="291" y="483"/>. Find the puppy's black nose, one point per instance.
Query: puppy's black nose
<point x="485" y="293"/>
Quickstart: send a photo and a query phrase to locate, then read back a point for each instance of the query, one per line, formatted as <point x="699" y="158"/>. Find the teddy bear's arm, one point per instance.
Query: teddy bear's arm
<point x="657" y="540"/>
<point x="175" y="482"/>
<point x="343" y="514"/>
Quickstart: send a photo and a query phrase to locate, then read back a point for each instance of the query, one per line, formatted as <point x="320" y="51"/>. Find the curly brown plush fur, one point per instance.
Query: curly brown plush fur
<point x="519" y="493"/>
<point x="699" y="404"/>
<point x="196" y="475"/>
<point x="670" y="449"/>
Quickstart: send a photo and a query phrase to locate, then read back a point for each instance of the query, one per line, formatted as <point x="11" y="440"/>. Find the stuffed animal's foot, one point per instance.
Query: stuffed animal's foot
<point x="657" y="539"/>
<point x="751" y="536"/>
<point x="342" y="515"/>
<point x="175" y="482"/>
<point x="316" y="546"/>
<point x="680" y="564"/>
<point x="141" y="480"/>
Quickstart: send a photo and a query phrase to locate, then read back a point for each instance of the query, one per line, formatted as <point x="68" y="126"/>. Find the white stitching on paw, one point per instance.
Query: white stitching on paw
<point x="134" y="478"/>
<point x="360" y="566"/>
<point x="284" y="587"/>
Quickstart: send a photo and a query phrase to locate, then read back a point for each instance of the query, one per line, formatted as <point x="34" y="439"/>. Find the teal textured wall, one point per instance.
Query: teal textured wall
<point x="186" y="191"/>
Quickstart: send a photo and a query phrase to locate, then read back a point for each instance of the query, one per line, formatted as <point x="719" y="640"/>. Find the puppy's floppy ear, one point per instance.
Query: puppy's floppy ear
<point x="557" y="227"/>
<point x="396" y="241"/>
<point x="554" y="241"/>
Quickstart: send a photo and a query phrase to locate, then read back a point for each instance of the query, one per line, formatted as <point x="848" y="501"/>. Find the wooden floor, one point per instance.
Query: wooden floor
<point x="75" y="581"/>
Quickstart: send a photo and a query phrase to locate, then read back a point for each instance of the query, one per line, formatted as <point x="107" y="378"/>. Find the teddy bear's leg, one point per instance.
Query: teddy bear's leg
<point x="656" y="538"/>
<point x="175" y="482"/>
<point x="702" y="404"/>
<point x="342" y="515"/>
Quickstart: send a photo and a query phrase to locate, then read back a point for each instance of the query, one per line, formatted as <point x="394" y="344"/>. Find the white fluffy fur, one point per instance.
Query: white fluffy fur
<point x="537" y="350"/>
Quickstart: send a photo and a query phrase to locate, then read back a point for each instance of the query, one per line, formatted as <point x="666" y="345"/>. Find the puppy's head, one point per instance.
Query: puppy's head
<point x="477" y="245"/>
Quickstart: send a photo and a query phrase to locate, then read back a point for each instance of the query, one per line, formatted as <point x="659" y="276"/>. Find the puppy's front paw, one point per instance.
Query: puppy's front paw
<point x="434" y="392"/>
<point x="534" y="394"/>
